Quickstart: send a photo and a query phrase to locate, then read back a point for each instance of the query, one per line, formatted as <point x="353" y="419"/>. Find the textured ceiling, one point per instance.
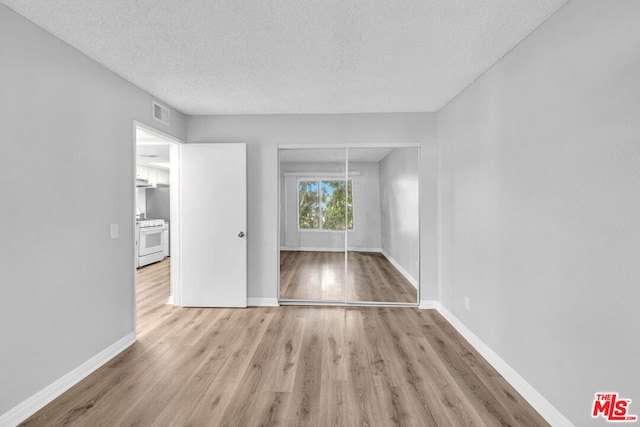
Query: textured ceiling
<point x="294" y="56"/>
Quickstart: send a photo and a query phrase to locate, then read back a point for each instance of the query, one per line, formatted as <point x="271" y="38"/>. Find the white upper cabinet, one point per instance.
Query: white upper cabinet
<point x="153" y="176"/>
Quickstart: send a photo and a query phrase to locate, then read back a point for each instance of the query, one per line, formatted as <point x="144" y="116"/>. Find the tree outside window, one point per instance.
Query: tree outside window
<point x="325" y="205"/>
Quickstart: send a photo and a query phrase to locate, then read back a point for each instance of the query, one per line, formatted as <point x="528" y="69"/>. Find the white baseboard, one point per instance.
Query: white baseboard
<point x="39" y="400"/>
<point x="429" y="304"/>
<point x="262" y="302"/>
<point x="530" y="394"/>
<point x="376" y="250"/>
<point x="401" y="269"/>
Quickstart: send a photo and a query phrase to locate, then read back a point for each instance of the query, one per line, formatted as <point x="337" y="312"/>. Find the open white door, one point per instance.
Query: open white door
<point x="213" y="217"/>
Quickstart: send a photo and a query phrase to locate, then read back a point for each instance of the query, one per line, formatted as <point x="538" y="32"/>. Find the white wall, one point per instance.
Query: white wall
<point x="141" y="200"/>
<point x="541" y="206"/>
<point x="399" y="195"/>
<point x="366" y="233"/>
<point x="262" y="134"/>
<point x="66" y="132"/>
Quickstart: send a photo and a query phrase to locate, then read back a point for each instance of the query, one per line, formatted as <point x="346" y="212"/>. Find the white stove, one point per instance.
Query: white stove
<point x="151" y="241"/>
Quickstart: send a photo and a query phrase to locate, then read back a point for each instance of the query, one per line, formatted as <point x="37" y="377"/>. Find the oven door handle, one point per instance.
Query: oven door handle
<point x="153" y="229"/>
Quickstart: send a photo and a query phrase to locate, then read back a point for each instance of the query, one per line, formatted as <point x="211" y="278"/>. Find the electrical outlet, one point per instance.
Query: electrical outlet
<point x="467" y="303"/>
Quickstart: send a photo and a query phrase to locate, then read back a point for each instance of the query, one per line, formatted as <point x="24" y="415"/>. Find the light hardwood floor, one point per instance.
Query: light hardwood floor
<point x="290" y="366"/>
<point x="320" y="276"/>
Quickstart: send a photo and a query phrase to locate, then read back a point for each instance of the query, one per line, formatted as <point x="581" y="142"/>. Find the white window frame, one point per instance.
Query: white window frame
<point x="319" y="180"/>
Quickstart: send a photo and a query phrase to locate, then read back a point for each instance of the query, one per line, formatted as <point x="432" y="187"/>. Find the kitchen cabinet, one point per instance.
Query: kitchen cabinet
<point x="142" y="172"/>
<point x="152" y="175"/>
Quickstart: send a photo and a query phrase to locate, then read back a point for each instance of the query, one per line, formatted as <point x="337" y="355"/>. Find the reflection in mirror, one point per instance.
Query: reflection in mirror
<point x="383" y="257"/>
<point x="313" y="216"/>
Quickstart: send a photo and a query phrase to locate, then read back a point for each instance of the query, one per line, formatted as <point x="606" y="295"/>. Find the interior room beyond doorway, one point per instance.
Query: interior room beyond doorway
<point x="152" y="197"/>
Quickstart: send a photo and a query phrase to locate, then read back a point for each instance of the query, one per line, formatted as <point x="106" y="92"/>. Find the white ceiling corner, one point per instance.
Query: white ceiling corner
<point x="294" y="56"/>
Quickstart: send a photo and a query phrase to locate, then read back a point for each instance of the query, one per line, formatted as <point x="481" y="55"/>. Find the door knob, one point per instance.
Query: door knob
<point x="241" y="234"/>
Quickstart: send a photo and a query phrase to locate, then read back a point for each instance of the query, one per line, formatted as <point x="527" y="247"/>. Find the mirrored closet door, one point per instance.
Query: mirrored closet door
<point x="312" y="225"/>
<point x="349" y="237"/>
<point x="384" y="246"/>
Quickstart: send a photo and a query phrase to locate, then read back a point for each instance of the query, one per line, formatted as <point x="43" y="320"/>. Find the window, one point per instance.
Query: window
<point x="325" y="204"/>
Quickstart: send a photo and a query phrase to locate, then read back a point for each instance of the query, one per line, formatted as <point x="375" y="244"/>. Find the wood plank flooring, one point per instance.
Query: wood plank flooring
<point x="321" y="276"/>
<point x="289" y="366"/>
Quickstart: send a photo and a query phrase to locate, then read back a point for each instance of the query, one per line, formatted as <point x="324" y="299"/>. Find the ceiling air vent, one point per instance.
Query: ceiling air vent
<point x="161" y="113"/>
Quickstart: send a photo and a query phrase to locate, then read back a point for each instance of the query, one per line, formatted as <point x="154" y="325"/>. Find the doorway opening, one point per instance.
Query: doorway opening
<point x="152" y="234"/>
